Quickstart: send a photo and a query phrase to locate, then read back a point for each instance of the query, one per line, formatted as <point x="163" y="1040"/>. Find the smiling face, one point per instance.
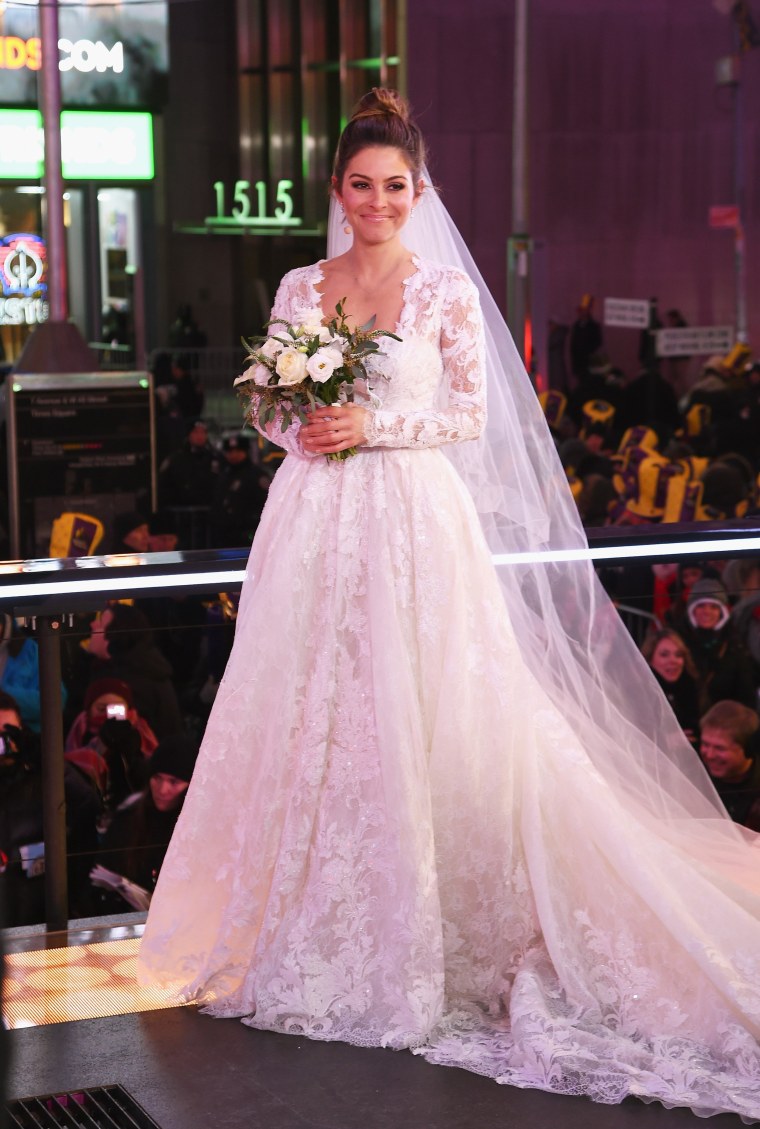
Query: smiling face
<point x="668" y="660"/>
<point x="724" y="757"/>
<point x="377" y="193"/>
<point x="707" y="614"/>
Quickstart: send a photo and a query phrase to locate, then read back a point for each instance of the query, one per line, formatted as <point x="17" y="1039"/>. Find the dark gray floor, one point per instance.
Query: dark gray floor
<point x="192" y="1072"/>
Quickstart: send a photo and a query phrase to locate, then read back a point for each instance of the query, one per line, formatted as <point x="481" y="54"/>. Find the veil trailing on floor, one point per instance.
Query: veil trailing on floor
<point x="569" y="632"/>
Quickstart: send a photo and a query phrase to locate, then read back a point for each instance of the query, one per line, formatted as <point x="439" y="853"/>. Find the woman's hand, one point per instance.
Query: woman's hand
<point x="333" y="429"/>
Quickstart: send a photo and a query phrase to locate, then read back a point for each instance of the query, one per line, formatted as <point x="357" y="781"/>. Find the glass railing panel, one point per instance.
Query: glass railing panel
<point x="142" y="644"/>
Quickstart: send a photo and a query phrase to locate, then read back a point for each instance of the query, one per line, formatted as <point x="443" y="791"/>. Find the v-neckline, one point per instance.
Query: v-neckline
<point x="318" y="276"/>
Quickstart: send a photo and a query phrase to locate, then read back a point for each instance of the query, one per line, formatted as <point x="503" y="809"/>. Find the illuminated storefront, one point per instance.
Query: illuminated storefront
<point x="113" y="65"/>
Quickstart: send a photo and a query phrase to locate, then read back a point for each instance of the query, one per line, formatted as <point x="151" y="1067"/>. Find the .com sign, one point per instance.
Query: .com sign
<point x="86" y="56"/>
<point x="81" y="55"/>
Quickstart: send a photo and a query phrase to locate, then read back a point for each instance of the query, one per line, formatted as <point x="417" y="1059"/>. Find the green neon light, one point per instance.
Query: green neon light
<point x="21" y="146"/>
<point x="215" y="229"/>
<point x="96" y="145"/>
<point x="252" y="221"/>
<point x="334" y="66"/>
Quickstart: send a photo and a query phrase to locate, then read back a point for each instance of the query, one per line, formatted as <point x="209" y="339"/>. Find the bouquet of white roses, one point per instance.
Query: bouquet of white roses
<point x="315" y="362"/>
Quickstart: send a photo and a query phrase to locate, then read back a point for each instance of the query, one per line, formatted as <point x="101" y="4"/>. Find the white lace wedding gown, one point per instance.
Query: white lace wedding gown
<point x="392" y="837"/>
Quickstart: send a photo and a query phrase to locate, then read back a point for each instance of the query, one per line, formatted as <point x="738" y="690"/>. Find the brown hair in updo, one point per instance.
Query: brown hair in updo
<point x="382" y="117"/>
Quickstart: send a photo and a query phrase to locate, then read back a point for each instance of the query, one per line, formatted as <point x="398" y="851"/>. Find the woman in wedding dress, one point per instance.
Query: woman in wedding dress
<point x="440" y="806"/>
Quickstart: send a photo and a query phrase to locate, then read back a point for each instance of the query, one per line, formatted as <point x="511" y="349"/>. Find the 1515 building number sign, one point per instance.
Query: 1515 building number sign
<point x="247" y="205"/>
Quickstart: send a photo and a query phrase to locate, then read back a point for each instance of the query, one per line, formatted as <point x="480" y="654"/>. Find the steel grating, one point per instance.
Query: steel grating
<point x="100" y="1107"/>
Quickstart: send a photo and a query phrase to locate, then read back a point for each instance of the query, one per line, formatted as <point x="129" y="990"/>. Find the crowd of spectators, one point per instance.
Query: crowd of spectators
<point x="706" y="660"/>
<point x="139" y="678"/>
<point x="676" y="441"/>
<point x="132" y="725"/>
<point x="649" y="446"/>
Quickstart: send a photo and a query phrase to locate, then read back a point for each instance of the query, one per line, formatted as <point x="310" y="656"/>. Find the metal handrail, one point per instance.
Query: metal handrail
<point x="58" y="586"/>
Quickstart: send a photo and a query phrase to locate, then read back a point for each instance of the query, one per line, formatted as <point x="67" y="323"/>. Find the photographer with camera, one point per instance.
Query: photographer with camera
<point x="22" y="851"/>
<point x="110" y="741"/>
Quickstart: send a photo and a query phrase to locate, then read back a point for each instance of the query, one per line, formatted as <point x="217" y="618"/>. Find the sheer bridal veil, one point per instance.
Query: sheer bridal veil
<point x="569" y="632"/>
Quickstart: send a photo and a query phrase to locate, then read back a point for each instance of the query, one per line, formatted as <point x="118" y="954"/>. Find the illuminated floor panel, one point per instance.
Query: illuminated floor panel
<point x="82" y="982"/>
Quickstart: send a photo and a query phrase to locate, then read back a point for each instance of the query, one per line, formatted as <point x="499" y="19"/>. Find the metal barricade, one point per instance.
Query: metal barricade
<point x="639" y="623"/>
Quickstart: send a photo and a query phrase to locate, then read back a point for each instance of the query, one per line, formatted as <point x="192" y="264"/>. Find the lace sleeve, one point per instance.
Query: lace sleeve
<point x="287" y="299"/>
<point x="463" y="351"/>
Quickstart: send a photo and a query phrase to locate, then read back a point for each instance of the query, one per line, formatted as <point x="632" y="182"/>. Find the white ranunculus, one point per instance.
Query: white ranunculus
<point x="258" y="374"/>
<point x="323" y="364"/>
<point x="272" y="348"/>
<point x="291" y="366"/>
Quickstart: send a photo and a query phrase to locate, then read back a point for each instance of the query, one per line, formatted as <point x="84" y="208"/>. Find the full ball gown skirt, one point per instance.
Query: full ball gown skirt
<point x="393" y="838"/>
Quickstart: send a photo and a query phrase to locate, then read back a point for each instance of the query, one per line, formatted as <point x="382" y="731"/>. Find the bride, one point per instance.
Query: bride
<point x="439" y="806"/>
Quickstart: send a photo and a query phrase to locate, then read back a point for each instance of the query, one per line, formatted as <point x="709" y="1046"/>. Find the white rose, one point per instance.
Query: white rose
<point x="291" y="366"/>
<point x="323" y="364"/>
<point x="310" y="320"/>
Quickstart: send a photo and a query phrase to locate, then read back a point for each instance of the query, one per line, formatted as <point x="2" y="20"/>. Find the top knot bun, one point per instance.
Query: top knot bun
<point x="382" y="117"/>
<point x="380" y="100"/>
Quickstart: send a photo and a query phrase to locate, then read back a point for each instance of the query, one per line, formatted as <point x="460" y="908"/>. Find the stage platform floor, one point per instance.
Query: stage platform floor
<point x="192" y="1072"/>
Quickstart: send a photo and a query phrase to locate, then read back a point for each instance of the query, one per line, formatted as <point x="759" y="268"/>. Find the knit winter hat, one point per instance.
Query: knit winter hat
<point x="162" y="522"/>
<point x="572" y="452"/>
<point x="176" y="756"/>
<point x="108" y="686"/>
<point x="235" y="443"/>
<point x="707" y="591"/>
<point x="124" y="523"/>
<point x="553" y="404"/>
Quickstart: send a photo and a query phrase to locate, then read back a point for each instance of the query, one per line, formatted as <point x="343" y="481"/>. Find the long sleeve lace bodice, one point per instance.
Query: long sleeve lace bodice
<point x="428" y="388"/>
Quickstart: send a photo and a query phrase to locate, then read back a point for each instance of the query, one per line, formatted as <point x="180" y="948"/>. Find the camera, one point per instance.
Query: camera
<point x="117" y="710"/>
